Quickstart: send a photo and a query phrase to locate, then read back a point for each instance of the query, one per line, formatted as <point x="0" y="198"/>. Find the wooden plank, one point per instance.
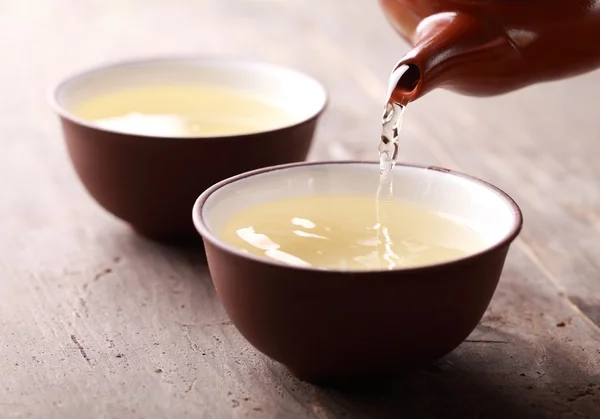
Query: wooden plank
<point x="96" y="321"/>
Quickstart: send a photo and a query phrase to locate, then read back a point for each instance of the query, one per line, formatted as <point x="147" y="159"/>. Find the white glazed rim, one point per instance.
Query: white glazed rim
<point x="207" y="234"/>
<point x="64" y="112"/>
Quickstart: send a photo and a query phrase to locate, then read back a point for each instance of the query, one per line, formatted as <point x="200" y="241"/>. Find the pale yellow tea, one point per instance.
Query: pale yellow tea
<point x="342" y="232"/>
<point x="185" y="110"/>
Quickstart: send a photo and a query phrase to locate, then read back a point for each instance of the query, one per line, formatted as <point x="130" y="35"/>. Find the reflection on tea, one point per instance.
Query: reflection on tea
<point x="183" y="111"/>
<point x="342" y="232"/>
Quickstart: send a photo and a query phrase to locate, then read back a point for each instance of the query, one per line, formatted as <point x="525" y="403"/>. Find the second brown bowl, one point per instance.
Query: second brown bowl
<point x="151" y="181"/>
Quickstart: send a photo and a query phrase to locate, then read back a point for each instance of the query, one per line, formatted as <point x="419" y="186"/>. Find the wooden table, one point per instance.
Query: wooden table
<point x="97" y="322"/>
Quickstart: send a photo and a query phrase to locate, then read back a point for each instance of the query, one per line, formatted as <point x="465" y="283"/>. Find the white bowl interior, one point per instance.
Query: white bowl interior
<point x="300" y="96"/>
<point x="474" y="204"/>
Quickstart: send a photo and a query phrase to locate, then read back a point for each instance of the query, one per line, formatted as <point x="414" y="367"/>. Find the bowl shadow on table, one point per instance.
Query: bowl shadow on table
<point x="186" y="293"/>
<point x="187" y="258"/>
<point x="190" y="247"/>
<point x="186" y="244"/>
<point x="480" y="379"/>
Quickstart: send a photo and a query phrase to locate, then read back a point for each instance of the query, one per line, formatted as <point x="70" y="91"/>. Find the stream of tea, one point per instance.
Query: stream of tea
<point x="388" y="153"/>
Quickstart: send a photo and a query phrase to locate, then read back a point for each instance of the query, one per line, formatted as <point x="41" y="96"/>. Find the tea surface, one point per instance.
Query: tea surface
<point x="184" y="110"/>
<point x="342" y="232"/>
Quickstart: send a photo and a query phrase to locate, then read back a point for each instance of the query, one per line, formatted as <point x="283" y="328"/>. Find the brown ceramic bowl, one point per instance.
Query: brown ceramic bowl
<point x="330" y="325"/>
<point x="152" y="181"/>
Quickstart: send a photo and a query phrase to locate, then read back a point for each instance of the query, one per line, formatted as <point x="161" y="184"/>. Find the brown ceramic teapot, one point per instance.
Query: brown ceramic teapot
<point x="489" y="47"/>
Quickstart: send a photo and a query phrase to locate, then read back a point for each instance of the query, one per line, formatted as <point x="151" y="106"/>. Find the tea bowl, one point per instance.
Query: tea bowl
<point x="152" y="180"/>
<point x="329" y="326"/>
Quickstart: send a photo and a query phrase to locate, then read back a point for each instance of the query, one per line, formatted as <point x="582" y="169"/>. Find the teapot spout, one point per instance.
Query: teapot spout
<point x="459" y="52"/>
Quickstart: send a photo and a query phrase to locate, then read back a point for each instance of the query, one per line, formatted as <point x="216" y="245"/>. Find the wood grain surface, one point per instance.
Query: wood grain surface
<point x="97" y="322"/>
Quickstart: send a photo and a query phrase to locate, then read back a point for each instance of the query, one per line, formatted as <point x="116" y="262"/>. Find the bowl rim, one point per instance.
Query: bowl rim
<point x="63" y="112"/>
<point x="207" y="234"/>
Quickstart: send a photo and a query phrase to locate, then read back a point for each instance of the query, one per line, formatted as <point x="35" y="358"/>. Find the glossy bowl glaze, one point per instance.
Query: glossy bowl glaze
<point x="329" y="325"/>
<point x="151" y="182"/>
